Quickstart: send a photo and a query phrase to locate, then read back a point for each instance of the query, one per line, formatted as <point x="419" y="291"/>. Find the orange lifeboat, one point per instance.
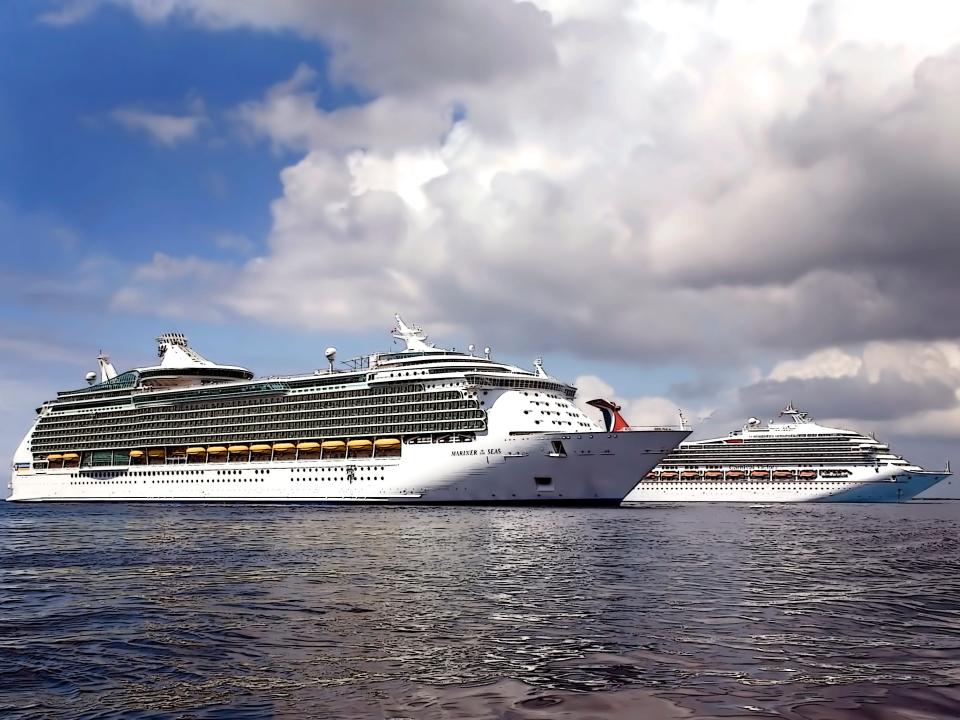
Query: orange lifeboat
<point x="784" y="474"/>
<point x="669" y="475"/>
<point x="652" y="475"/>
<point x="689" y="475"/>
<point x="736" y="475"/>
<point x="759" y="474"/>
<point x="713" y="475"/>
<point x="808" y="474"/>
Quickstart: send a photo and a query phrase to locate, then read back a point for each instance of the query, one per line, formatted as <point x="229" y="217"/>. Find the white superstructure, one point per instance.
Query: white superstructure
<point x="794" y="460"/>
<point x="424" y="425"/>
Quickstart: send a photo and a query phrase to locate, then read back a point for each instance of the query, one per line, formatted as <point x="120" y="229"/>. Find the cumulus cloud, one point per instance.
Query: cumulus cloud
<point x="165" y="129"/>
<point x="827" y="363"/>
<point x="904" y="389"/>
<point x="716" y="176"/>
<point x="731" y="183"/>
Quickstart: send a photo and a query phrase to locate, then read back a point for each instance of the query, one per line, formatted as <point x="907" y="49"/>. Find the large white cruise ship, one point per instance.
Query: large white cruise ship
<point x="424" y="425"/>
<point x="795" y="460"/>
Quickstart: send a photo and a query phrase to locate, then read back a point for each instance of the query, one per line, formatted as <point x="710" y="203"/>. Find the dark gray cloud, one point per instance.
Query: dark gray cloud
<point x="599" y="196"/>
<point x="891" y="397"/>
<point x="408" y="47"/>
<point x="861" y="226"/>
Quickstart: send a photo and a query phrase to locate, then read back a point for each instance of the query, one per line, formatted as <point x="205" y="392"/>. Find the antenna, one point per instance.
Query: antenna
<point x="91" y="377"/>
<point x="331" y="354"/>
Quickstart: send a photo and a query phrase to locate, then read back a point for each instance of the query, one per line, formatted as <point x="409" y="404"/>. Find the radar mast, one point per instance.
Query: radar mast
<point x="798" y="416"/>
<point x="413" y="335"/>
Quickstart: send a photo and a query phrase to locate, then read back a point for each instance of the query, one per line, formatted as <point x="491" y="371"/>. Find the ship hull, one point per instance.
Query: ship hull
<point x="588" y="469"/>
<point x="865" y="485"/>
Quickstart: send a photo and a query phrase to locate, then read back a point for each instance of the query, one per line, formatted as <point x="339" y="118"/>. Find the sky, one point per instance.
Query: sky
<point x="719" y="206"/>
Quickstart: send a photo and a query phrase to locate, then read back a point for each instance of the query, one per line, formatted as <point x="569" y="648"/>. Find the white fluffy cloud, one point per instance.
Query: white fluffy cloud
<point x="904" y="388"/>
<point x="826" y="363"/>
<point x="166" y="129"/>
<point x="715" y="175"/>
<point x="730" y="182"/>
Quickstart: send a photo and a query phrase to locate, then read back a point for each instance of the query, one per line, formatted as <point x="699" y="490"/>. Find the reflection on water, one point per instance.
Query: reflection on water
<point x="173" y="611"/>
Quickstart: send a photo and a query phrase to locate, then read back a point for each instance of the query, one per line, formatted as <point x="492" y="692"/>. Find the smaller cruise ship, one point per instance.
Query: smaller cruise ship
<point x="793" y="459"/>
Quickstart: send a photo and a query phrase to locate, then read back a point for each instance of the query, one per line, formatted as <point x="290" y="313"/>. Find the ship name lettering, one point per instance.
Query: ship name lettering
<point x="474" y="451"/>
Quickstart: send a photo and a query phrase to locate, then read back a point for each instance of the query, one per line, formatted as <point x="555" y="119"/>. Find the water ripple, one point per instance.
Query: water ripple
<point x="212" y="611"/>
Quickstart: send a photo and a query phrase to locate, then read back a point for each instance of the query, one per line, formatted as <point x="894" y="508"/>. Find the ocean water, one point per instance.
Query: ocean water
<point x="821" y="612"/>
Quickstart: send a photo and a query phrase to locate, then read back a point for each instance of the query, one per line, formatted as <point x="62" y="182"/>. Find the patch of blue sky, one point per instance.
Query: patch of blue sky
<point x="77" y="188"/>
<point x="64" y="159"/>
